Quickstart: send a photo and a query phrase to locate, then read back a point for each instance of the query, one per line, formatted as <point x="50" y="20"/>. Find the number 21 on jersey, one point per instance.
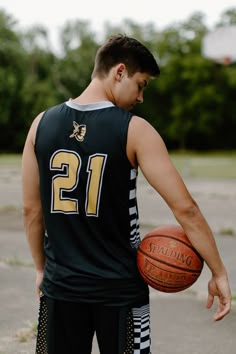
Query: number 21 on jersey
<point x="68" y="164"/>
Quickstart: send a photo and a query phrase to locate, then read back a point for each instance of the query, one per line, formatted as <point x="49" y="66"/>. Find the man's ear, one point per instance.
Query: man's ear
<point x="119" y="71"/>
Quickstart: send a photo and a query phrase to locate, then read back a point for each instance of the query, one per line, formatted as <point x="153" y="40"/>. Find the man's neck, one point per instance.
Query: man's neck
<point x="94" y="92"/>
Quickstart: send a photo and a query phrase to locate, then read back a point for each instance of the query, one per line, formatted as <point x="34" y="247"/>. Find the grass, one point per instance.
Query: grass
<point x="227" y="231"/>
<point x="9" y="208"/>
<point x="16" y="262"/>
<point x="206" y="165"/>
<point x="26" y="334"/>
<point x="190" y="164"/>
<point x="10" y="159"/>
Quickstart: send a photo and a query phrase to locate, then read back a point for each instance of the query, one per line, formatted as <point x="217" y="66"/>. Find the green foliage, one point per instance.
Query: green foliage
<point x="228" y="18"/>
<point x="192" y="104"/>
<point x="73" y="72"/>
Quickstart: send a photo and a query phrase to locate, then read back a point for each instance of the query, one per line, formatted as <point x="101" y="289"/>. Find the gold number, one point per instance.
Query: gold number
<point x="69" y="164"/>
<point x="95" y="169"/>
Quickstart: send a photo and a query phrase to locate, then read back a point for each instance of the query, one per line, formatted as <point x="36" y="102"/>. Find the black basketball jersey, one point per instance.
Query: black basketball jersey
<point x="88" y="194"/>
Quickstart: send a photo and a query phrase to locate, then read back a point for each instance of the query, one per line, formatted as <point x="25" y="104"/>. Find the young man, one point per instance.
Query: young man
<point x="79" y="171"/>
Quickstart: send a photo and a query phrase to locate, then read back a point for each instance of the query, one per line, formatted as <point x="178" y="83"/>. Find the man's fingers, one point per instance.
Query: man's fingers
<point x="210" y="301"/>
<point x="222" y="310"/>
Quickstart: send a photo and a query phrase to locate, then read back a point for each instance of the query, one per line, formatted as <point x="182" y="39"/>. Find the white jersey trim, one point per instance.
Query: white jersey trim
<point x="90" y="106"/>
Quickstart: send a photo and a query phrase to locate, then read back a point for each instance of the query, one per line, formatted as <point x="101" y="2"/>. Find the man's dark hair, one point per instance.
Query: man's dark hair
<point x="127" y="50"/>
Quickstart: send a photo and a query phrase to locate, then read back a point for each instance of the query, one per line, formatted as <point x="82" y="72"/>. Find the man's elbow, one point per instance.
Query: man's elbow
<point x="187" y="210"/>
<point x="32" y="213"/>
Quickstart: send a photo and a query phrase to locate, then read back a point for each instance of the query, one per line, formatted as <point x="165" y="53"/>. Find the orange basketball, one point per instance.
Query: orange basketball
<point x="167" y="261"/>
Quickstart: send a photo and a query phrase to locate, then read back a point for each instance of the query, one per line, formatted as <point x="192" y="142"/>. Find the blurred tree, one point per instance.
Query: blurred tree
<point x="12" y="63"/>
<point x="190" y="101"/>
<point x="39" y="90"/>
<point x="227" y="18"/>
<point x="73" y="71"/>
<point x="192" y="104"/>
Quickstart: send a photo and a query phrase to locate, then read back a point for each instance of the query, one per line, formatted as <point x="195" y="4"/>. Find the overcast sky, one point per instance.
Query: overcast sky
<point x="53" y="14"/>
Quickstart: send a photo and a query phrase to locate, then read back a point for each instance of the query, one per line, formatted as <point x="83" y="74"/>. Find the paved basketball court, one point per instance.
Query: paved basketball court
<point x="180" y="322"/>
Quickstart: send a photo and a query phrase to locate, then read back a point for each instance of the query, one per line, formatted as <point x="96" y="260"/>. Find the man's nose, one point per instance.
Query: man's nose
<point x="140" y="98"/>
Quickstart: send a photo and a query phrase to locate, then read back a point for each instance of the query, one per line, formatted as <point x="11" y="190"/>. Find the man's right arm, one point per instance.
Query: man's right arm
<point x="32" y="208"/>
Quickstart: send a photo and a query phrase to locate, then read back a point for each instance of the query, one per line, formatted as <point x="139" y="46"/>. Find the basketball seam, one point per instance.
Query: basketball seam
<point x="162" y="285"/>
<point x="163" y="262"/>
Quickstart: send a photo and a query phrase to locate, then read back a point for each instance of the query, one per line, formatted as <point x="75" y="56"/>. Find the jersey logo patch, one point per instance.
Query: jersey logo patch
<point x="79" y="131"/>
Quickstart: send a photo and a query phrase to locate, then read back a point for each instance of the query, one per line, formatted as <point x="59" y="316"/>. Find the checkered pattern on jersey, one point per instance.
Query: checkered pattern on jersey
<point x="138" y="331"/>
<point x="133" y="211"/>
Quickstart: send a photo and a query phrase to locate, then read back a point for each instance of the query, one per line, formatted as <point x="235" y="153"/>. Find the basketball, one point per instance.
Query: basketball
<point x="167" y="261"/>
